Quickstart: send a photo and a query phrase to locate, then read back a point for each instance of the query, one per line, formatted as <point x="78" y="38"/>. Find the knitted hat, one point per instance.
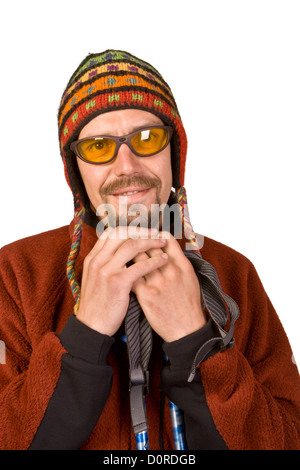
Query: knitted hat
<point x="104" y="82"/>
<point x="109" y="81"/>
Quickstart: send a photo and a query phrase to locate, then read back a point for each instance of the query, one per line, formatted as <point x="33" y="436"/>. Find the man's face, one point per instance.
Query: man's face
<point x="129" y="179"/>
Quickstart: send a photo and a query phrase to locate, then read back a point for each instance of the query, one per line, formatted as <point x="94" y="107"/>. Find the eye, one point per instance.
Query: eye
<point x="98" y="145"/>
<point x="97" y="149"/>
<point x="149" y="141"/>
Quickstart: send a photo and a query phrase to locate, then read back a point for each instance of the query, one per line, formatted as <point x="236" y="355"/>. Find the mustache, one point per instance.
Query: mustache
<point x="126" y="181"/>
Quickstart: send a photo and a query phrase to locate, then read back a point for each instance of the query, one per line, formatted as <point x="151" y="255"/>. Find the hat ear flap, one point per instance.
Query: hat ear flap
<point x="74" y="251"/>
<point x="186" y="222"/>
<point x="175" y="163"/>
<point x="75" y="181"/>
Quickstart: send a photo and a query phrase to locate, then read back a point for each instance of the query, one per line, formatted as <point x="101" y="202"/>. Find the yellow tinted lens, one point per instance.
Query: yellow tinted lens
<point x="97" y="150"/>
<point x="149" y="141"/>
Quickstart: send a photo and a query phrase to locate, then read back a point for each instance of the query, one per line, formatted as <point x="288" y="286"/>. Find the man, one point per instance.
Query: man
<point x="145" y="307"/>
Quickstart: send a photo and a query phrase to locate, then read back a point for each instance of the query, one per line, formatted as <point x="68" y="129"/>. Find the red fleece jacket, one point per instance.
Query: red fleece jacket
<point x="252" y="390"/>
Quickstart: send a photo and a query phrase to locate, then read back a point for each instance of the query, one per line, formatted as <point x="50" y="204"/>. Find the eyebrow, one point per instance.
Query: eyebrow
<point x="144" y="126"/>
<point x="134" y="129"/>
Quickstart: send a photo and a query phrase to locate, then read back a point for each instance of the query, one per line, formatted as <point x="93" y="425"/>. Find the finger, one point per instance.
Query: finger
<point x="133" y="248"/>
<point x="144" y="256"/>
<point x="143" y="268"/>
<point x="112" y="238"/>
<point x="115" y="260"/>
<point x="124" y="232"/>
<point x="154" y="252"/>
<point x="148" y="254"/>
<point x="172" y="247"/>
<point x="108" y="234"/>
<point x="140" y="257"/>
<point x="137" y="259"/>
<point x="154" y="276"/>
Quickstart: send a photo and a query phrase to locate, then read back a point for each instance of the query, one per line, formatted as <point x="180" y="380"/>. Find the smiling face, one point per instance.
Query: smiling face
<point x="128" y="179"/>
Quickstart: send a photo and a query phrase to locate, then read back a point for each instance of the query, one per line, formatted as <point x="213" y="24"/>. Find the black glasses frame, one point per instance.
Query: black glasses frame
<point x="126" y="139"/>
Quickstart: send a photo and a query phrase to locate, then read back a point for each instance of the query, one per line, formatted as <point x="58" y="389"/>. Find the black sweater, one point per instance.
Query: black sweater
<point x="75" y="407"/>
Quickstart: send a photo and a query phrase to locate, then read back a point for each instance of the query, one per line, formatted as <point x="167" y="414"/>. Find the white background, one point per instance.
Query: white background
<point x="234" y="69"/>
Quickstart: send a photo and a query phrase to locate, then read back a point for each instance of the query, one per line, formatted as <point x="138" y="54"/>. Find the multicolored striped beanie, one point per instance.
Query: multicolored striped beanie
<point x="109" y="81"/>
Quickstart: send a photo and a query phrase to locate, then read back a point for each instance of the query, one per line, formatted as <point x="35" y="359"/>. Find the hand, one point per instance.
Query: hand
<point x="170" y="295"/>
<point x="107" y="281"/>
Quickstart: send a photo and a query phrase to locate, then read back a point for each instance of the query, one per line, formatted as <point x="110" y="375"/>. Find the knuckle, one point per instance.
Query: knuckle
<point x="105" y="274"/>
<point x="166" y="235"/>
<point x="129" y="244"/>
<point x="107" y="232"/>
<point x="93" y="264"/>
<point x="87" y="260"/>
<point x="173" y="272"/>
<point x="153" y="291"/>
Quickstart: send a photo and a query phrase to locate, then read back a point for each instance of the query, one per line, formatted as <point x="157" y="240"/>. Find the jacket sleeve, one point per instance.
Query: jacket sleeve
<point x="30" y="372"/>
<point x="27" y="378"/>
<point x="253" y="389"/>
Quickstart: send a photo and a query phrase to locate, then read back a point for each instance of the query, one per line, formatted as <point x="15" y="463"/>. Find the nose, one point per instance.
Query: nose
<point x="126" y="162"/>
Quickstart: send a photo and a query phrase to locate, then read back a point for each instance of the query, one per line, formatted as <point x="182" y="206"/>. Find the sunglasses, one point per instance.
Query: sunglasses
<point x="104" y="149"/>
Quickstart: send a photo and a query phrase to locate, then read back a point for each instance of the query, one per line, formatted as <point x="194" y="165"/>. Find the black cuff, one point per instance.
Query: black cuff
<point x="181" y="353"/>
<point x="84" y="342"/>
